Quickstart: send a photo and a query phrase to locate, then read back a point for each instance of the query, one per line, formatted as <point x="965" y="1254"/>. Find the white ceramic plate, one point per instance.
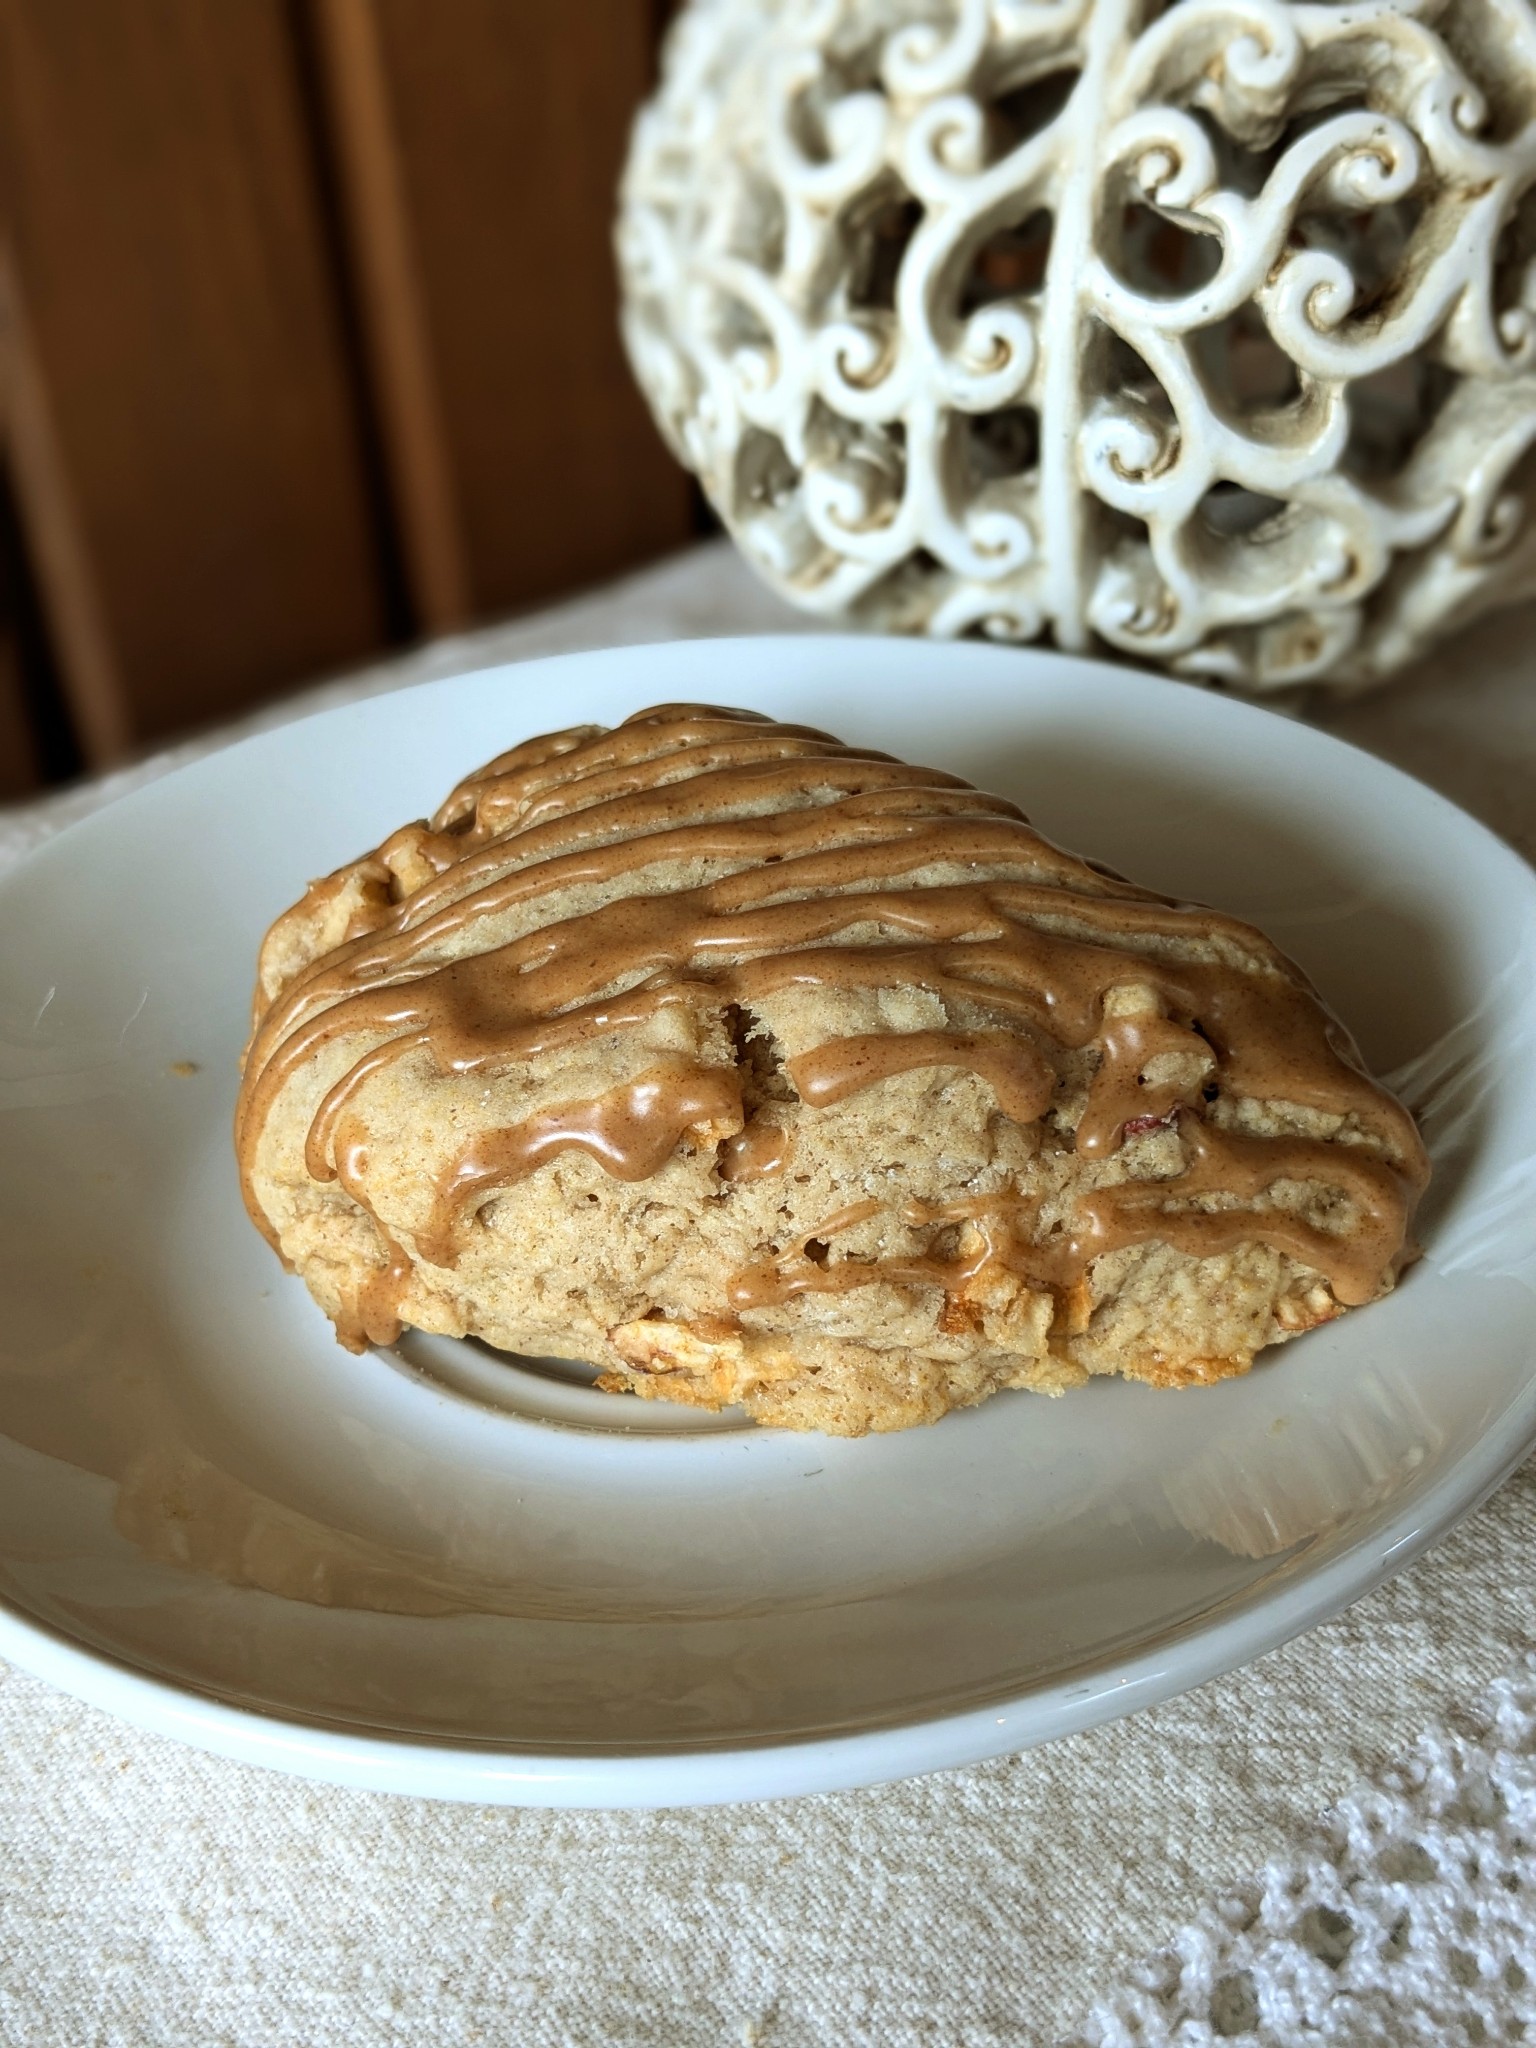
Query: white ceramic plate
<point x="434" y="1572"/>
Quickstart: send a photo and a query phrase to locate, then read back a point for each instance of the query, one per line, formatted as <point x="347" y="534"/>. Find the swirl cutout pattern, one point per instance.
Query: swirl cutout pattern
<point x="1173" y="331"/>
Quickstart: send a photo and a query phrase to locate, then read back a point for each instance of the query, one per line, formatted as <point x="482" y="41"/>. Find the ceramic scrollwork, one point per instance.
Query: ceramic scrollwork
<point x="1203" y="332"/>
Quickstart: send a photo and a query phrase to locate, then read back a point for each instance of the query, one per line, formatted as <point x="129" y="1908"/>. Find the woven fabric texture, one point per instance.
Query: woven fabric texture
<point x="1406" y="1918"/>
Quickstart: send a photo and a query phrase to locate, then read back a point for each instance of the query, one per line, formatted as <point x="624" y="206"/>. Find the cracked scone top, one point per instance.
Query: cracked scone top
<point x="757" y="1068"/>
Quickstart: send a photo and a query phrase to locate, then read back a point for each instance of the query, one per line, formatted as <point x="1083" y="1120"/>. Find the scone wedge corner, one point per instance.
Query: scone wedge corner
<point x="759" y="1069"/>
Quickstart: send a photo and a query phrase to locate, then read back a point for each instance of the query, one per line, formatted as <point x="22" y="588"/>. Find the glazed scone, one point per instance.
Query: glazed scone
<point x="759" y="1069"/>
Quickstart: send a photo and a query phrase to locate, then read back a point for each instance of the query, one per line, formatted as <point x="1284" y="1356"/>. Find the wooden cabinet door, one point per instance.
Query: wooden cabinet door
<point x="185" y="440"/>
<point x="308" y="336"/>
<point x="479" y="146"/>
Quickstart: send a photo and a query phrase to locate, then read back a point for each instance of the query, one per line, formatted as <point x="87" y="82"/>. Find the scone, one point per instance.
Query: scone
<point x="757" y="1068"/>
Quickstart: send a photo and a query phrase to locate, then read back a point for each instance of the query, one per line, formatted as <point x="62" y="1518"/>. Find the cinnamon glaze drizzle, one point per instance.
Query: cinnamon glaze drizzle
<point x="756" y="1152"/>
<point x="631" y="1131"/>
<point x="1133" y="1212"/>
<point x="476" y="944"/>
<point x="1022" y="1079"/>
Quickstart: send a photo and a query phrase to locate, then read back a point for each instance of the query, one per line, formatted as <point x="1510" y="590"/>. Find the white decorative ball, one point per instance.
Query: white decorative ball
<point x="1206" y="332"/>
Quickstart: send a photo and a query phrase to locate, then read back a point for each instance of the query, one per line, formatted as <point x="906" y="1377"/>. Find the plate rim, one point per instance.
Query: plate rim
<point x="780" y="1767"/>
<point x="1209" y="1646"/>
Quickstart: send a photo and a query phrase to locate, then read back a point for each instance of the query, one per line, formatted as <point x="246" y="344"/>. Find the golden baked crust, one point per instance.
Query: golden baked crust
<point x="756" y="1068"/>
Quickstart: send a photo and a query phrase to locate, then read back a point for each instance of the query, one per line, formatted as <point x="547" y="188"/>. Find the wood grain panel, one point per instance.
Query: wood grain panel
<point x="160" y="197"/>
<point x="511" y="124"/>
<point x="20" y="769"/>
<point x="56" y="570"/>
<point x="38" y="743"/>
<point x="393" y="319"/>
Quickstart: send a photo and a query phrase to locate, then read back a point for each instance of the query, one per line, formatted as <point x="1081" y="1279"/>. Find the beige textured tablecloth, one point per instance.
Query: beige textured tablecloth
<point x="152" y="1895"/>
